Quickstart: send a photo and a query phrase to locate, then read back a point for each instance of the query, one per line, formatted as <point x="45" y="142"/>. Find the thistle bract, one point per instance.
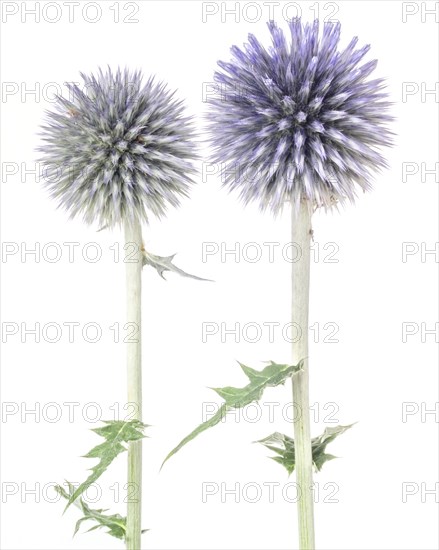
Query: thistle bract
<point x="116" y="149"/>
<point x="299" y="121"/>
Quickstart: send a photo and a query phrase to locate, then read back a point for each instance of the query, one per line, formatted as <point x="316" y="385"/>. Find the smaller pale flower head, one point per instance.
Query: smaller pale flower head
<point x="117" y="149"/>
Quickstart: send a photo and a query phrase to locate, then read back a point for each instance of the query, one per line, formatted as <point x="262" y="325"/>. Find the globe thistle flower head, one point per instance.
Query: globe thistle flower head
<point x="299" y="121"/>
<point x="117" y="149"/>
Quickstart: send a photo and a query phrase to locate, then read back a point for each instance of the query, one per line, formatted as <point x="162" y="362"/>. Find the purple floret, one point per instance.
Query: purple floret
<point x="299" y="121"/>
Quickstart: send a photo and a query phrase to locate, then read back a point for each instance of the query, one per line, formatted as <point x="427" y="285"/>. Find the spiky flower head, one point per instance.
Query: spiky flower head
<point x="117" y="148"/>
<point x="299" y="121"/>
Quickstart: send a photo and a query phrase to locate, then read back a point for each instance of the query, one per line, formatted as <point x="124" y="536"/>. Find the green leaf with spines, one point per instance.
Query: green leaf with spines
<point x="283" y="445"/>
<point x="115" y="433"/>
<point x="115" y="523"/>
<point x="272" y="375"/>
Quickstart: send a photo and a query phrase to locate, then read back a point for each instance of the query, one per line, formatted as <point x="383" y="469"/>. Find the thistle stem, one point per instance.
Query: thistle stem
<point x="133" y="237"/>
<point x="301" y="235"/>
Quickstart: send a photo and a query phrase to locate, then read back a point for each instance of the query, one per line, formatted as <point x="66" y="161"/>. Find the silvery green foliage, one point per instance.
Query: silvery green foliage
<point x="235" y="398"/>
<point x="115" y="433"/>
<point x="300" y="120"/>
<point x="115" y="523"/>
<point x="284" y="447"/>
<point x="117" y="148"/>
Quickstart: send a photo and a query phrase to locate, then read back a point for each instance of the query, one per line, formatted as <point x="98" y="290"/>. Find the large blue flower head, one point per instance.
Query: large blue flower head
<point x="116" y="149"/>
<point x="299" y="121"/>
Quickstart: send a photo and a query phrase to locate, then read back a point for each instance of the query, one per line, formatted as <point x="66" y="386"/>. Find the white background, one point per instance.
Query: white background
<point x="370" y="292"/>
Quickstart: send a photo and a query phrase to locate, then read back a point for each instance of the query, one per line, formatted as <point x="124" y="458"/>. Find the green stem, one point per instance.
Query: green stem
<point x="301" y="235"/>
<point x="133" y="238"/>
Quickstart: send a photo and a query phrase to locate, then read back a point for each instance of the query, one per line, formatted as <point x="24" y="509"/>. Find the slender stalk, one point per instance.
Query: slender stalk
<point x="133" y="235"/>
<point x="301" y="235"/>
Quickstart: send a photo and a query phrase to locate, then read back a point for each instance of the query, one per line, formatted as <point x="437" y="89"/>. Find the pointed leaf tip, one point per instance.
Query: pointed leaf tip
<point x="164" y="263"/>
<point x="115" y="523"/>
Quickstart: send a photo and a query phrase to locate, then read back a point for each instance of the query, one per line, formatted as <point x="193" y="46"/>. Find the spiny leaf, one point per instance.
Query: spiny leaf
<point x="164" y="263"/>
<point x="273" y="375"/>
<point x="115" y="523"/>
<point x="283" y="445"/>
<point x="115" y="432"/>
